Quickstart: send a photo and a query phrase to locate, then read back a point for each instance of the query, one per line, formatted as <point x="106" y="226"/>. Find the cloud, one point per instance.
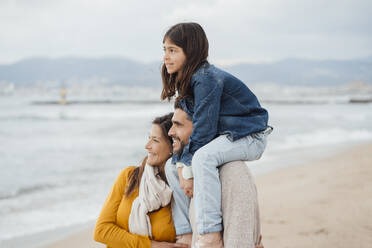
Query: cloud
<point x="237" y="29"/>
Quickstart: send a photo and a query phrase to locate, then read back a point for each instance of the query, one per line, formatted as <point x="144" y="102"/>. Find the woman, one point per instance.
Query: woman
<point x="137" y="212"/>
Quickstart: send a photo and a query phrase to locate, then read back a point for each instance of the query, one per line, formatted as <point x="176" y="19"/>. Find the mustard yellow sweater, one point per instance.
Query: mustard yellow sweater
<point x="112" y="224"/>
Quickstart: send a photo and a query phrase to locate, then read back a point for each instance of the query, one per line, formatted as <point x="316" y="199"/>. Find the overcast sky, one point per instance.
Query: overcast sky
<point x="238" y="30"/>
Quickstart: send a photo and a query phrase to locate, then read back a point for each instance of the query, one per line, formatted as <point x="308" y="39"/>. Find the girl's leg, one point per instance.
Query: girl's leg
<point x="207" y="186"/>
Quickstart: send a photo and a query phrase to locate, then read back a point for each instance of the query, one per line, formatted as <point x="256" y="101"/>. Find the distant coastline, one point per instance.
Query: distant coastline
<point x="145" y="102"/>
<point x="82" y="102"/>
<point x="71" y="71"/>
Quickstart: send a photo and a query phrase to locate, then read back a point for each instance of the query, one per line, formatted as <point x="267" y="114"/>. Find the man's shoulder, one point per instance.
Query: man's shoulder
<point x="238" y="164"/>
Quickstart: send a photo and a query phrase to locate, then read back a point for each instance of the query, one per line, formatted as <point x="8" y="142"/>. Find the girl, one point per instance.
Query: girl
<point x="229" y="124"/>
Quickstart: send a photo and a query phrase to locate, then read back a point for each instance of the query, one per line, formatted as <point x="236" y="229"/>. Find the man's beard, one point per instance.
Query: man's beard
<point x="180" y="150"/>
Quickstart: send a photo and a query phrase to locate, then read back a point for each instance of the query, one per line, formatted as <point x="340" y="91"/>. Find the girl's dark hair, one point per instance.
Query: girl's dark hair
<point x="191" y="38"/>
<point x="134" y="179"/>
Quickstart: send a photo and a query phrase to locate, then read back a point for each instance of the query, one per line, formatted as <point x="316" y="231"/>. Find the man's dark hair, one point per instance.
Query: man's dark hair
<point x="177" y="105"/>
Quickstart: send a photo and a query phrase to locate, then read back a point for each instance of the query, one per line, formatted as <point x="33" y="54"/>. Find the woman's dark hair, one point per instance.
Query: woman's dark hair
<point x="192" y="39"/>
<point x="134" y="179"/>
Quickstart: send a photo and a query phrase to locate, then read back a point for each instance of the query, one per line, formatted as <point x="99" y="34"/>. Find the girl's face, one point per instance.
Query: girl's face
<point x="174" y="57"/>
<point x="158" y="147"/>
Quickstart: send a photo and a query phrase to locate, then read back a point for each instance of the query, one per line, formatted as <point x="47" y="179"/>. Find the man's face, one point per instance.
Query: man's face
<point x="180" y="130"/>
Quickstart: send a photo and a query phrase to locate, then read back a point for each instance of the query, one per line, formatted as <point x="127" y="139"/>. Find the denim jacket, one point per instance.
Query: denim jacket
<point x="222" y="104"/>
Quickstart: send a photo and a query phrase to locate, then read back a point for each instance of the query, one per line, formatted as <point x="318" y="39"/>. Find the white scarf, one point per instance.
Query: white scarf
<point x="153" y="194"/>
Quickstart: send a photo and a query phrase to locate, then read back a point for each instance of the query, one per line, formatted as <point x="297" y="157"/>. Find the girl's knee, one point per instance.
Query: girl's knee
<point x="200" y="155"/>
<point x="259" y="147"/>
<point x="199" y="160"/>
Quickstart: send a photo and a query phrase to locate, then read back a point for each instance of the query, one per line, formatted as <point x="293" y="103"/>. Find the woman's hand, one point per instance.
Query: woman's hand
<point x="156" y="244"/>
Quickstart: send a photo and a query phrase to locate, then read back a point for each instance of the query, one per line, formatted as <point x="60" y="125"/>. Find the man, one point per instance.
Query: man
<point x="239" y="196"/>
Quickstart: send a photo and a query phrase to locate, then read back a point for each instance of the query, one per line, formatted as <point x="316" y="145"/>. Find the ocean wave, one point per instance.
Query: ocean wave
<point x="103" y="102"/>
<point x="85" y="113"/>
<point x="323" y="137"/>
<point x="25" y="191"/>
<point x="316" y="101"/>
<point x="25" y="117"/>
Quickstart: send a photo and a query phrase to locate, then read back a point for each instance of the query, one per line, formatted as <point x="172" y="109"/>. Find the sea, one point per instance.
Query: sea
<point x="58" y="162"/>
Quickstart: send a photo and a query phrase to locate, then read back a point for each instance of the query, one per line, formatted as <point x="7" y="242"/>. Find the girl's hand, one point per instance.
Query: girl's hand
<point x="260" y="245"/>
<point x="186" y="184"/>
<point x="188" y="187"/>
<point x="156" y="244"/>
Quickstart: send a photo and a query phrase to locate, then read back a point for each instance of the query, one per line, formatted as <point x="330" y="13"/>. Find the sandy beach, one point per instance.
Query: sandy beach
<point x="326" y="203"/>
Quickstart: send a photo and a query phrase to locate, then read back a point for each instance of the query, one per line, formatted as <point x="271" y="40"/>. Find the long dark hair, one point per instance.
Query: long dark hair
<point x="192" y="39"/>
<point x="134" y="179"/>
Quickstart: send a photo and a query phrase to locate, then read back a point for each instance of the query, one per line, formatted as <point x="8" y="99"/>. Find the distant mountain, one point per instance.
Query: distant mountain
<point x="127" y="72"/>
<point x="67" y="70"/>
<point x="306" y="72"/>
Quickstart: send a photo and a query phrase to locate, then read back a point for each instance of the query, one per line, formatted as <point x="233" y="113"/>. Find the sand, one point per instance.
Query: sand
<point x="326" y="203"/>
<point x="323" y="204"/>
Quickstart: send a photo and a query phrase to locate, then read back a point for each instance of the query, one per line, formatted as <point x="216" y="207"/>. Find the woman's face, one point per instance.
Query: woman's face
<point x="158" y="147"/>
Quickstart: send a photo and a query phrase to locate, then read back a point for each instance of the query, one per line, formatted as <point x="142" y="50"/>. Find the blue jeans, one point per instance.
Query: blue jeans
<point x="207" y="185"/>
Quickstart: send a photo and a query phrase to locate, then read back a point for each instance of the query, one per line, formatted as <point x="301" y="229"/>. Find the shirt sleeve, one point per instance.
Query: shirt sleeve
<point x="207" y="101"/>
<point x="106" y="230"/>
